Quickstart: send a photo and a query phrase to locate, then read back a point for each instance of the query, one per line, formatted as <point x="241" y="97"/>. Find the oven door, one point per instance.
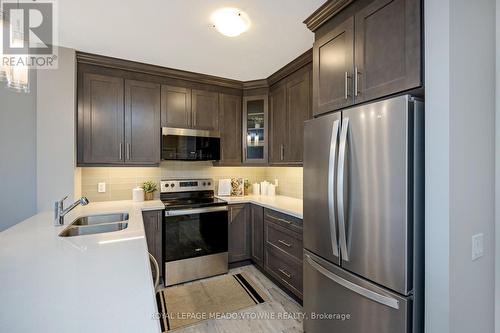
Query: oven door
<point x="195" y="243"/>
<point x="190" y="145"/>
<point x="195" y="232"/>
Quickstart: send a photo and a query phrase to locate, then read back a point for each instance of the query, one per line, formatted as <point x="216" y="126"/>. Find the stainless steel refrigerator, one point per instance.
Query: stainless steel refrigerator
<point x="363" y="219"/>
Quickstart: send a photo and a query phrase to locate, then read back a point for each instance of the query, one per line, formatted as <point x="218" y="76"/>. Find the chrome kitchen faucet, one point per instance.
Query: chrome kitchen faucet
<point x="60" y="212"/>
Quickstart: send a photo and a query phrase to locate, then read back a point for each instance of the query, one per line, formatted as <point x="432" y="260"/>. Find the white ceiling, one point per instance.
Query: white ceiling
<point x="176" y="33"/>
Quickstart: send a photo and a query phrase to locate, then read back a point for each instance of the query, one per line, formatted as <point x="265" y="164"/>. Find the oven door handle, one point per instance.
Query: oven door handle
<point x="178" y="212"/>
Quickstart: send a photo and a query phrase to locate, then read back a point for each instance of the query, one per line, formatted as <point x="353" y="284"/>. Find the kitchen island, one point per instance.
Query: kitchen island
<point x="91" y="283"/>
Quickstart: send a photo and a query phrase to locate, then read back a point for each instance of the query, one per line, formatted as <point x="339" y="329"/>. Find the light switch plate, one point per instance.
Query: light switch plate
<point x="477" y="246"/>
<point x="101" y="187"/>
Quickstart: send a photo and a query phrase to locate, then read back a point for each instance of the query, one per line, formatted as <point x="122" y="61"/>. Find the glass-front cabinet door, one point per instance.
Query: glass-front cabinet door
<point x="255" y="129"/>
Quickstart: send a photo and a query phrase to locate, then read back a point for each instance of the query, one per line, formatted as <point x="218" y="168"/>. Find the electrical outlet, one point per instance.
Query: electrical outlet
<point x="477" y="246"/>
<point x="101" y="187"/>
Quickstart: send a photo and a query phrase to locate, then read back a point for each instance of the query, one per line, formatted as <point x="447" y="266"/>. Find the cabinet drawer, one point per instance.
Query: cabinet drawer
<point x="284" y="239"/>
<point x="284" y="268"/>
<point x="283" y="220"/>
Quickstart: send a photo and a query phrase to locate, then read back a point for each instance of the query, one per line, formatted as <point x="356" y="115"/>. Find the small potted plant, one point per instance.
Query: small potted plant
<point x="247" y="186"/>
<point x="149" y="188"/>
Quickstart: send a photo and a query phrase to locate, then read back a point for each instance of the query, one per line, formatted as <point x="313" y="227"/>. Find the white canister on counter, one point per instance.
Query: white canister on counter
<point x="271" y="190"/>
<point x="256" y="189"/>
<point x="138" y="194"/>
<point x="263" y="187"/>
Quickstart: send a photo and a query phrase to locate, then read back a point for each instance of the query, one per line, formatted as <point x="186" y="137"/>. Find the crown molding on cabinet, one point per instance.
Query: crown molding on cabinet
<point x="133" y="66"/>
<point x="255" y="84"/>
<point x="325" y="12"/>
<point x="296" y="64"/>
<point x="138" y="67"/>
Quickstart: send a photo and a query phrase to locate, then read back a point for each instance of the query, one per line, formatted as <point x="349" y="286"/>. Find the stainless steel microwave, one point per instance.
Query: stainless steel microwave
<point x="190" y="145"/>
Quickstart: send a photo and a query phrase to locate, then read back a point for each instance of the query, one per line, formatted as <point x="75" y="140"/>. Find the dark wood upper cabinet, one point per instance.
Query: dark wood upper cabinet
<point x="257" y="226"/>
<point x="290" y="106"/>
<point x="298" y="110"/>
<point x="332" y="68"/>
<point x="142" y="119"/>
<point x="205" y="110"/>
<point x="388" y="48"/>
<point x="230" y="129"/>
<point x="239" y="233"/>
<point x="175" y="107"/>
<point x="278" y="123"/>
<point x="365" y="50"/>
<point x="100" y="119"/>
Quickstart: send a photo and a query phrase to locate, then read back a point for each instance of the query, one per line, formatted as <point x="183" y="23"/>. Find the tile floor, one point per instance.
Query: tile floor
<point x="281" y="314"/>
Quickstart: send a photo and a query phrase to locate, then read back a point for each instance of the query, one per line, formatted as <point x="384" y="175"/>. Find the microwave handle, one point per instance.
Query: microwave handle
<point x="178" y="212"/>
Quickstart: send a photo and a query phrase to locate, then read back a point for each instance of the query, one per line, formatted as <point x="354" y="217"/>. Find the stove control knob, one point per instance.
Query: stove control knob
<point x="172" y="185"/>
<point x="166" y="185"/>
<point x="209" y="183"/>
<point x="204" y="184"/>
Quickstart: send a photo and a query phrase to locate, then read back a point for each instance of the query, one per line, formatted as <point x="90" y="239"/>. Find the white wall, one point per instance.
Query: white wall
<point x="437" y="164"/>
<point x="56" y="100"/>
<point x="497" y="173"/>
<point x="460" y="136"/>
<point x="17" y="154"/>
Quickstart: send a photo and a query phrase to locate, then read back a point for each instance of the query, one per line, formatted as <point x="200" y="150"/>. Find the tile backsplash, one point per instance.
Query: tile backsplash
<point x="121" y="180"/>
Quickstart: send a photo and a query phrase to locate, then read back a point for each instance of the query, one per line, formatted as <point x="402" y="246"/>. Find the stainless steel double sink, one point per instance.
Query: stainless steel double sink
<point x="96" y="224"/>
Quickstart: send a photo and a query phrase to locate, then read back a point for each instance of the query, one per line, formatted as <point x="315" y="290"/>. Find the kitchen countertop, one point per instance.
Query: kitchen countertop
<point x="280" y="203"/>
<point x="93" y="283"/>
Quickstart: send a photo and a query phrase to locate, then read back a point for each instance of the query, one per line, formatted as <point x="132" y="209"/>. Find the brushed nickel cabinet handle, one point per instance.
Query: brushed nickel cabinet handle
<point x="285" y="273"/>
<point x="127" y="146"/>
<point x="282" y="152"/>
<point x="284" y="243"/>
<point x="278" y="219"/>
<point x="345" y="85"/>
<point x="120" y="148"/>
<point x="356" y="73"/>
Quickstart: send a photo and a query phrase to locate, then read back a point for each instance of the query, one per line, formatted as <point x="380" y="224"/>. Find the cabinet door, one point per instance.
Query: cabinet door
<point x="239" y="233"/>
<point x="142" y="122"/>
<point x="257" y="226"/>
<point x="298" y="110"/>
<point x="255" y="130"/>
<point x="175" y="107"/>
<point x="333" y="68"/>
<point x="278" y="124"/>
<point x="205" y="110"/>
<point x="153" y="230"/>
<point x="100" y="139"/>
<point x="388" y="48"/>
<point x="230" y="129"/>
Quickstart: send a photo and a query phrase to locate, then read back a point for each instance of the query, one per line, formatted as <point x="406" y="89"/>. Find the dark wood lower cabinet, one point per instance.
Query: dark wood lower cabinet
<point x="283" y="250"/>
<point x="271" y="240"/>
<point x="257" y="226"/>
<point x="153" y="228"/>
<point x="239" y="233"/>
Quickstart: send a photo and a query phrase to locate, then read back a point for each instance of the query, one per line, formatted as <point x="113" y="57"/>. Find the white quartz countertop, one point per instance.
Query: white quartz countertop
<point x="280" y="203"/>
<point x="92" y="283"/>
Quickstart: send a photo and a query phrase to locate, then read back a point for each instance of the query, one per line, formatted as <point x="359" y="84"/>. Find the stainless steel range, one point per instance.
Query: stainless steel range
<point x="195" y="230"/>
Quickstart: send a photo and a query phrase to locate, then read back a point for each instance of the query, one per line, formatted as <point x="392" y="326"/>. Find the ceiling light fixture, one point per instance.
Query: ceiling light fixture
<point x="230" y="22"/>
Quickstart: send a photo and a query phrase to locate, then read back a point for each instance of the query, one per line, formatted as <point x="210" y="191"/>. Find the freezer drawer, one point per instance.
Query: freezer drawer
<point x="348" y="303"/>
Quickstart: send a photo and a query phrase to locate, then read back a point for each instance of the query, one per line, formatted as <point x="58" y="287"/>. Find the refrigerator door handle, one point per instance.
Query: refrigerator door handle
<point x="331" y="187"/>
<point x="376" y="297"/>
<point x="340" y="189"/>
